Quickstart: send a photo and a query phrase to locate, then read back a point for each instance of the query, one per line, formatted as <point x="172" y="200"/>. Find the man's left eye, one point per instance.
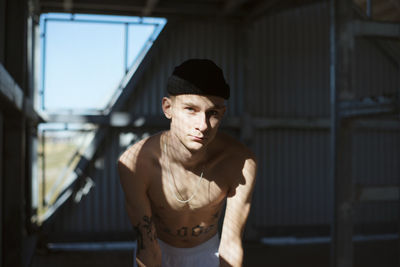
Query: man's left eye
<point x="213" y="113"/>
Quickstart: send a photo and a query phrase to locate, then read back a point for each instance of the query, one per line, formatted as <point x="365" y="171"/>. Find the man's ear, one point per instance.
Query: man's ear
<point x="167" y="107"/>
<point x="224" y="111"/>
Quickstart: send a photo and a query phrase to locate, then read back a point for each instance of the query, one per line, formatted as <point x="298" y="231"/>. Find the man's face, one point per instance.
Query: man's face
<point x="194" y="118"/>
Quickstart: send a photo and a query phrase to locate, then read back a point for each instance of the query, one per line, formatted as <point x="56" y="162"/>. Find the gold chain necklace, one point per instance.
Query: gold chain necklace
<point x="181" y="200"/>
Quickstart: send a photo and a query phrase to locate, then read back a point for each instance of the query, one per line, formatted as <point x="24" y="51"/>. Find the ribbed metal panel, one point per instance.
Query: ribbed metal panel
<point x="289" y="74"/>
<point x="293" y="179"/>
<point x="103" y="209"/>
<point x="376" y="162"/>
<point x="290" y="79"/>
<point x="292" y="185"/>
<point x="290" y="65"/>
<point x="2" y="161"/>
<point x="375" y="73"/>
<point x="217" y="40"/>
<point x="377" y="157"/>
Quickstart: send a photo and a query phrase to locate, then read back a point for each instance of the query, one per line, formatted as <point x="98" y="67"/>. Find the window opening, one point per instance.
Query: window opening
<point x="85" y="58"/>
<point x="87" y="61"/>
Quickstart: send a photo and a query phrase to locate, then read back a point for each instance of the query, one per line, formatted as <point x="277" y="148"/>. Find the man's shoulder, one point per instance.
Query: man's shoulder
<point x="238" y="163"/>
<point x="142" y="154"/>
<point x="233" y="148"/>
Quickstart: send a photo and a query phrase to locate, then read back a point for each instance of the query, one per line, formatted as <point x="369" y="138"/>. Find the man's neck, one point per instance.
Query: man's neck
<point x="180" y="154"/>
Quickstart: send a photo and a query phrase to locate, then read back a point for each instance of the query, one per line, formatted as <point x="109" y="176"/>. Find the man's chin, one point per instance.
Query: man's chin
<point x="195" y="146"/>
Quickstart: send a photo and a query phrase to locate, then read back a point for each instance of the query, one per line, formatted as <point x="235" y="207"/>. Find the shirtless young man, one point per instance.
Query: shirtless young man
<point x="176" y="182"/>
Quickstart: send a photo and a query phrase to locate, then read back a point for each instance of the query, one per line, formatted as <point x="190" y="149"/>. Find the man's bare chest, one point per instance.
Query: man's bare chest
<point x="198" y="193"/>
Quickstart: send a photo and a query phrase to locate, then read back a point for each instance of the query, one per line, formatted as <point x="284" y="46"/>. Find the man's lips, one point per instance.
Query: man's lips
<point x="198" y="138"/>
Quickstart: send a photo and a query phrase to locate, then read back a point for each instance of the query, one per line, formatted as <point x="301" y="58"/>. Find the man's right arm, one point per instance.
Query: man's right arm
<point x="135" y="183"/>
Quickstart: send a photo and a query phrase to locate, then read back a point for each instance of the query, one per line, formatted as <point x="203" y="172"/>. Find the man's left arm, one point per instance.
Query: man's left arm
<point x="236" y="213"/>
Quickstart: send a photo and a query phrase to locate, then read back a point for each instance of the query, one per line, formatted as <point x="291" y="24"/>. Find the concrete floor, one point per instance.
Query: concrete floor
<point x="366" y="254"/>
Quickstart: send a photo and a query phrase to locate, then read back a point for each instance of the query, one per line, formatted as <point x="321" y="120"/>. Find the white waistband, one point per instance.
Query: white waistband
<point x="211" y="244"/>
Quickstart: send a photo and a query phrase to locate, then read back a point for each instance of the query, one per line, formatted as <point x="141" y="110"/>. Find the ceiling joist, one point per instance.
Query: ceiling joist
<point x="148" y="9"/>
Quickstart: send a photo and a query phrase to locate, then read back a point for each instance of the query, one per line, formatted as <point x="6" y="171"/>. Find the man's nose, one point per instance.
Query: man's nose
<point x="202" y="124"/>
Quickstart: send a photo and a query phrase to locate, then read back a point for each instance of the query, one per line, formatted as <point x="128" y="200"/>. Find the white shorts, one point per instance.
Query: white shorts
<point x="205" y="254"/>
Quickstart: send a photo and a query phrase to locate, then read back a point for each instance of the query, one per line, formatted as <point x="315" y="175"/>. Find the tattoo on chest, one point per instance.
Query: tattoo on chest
<point x="185" y="231"/>
<point x="145" y="228"/>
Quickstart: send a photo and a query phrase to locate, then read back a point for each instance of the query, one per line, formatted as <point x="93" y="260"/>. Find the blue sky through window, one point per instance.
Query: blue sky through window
<point x="85" y="57"/>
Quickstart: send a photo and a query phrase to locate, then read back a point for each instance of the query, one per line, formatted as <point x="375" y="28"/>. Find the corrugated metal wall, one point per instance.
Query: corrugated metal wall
<point x="292" y="185"/>
<point x="376" y="162"/>
<point x="289" y="75"/>
<point x="1" y="184"/>
<point x="289" y="78"/>
<point x="286" y="76"/>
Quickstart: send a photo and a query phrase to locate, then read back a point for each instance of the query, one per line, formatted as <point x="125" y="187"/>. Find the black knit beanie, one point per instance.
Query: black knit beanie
<point x="200" y="77"/>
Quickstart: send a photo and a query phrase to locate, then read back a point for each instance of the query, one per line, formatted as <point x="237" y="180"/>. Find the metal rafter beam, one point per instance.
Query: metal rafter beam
<point x="262" y="8"/>
<point x="13" y="95"/>
<point x="341" y="57"/>
<point x="125" y="120"/>
<point x="148" y="9"/>
<point x="231" y="6"/>
<point x="377" y="193"/>
<point x="367" y="107"/>
<point x="376" y="29"/>
<point x="161" y="9"/>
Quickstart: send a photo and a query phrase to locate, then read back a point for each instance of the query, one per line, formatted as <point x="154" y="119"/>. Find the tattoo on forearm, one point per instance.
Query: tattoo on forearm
<point x="139" y="238"/>
<point x="145" y="227"/>
<point x="149" y="227"/>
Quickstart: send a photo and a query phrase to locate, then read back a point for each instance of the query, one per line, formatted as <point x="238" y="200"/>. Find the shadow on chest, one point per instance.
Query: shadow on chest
<point x="201" y="195"/>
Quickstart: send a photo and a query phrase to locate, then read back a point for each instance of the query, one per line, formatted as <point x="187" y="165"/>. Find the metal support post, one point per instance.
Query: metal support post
<point x="43" y="159"/>
<point x="44" y="49"/>
<point x="1" y="188"/>
<point x="14" y="185"/>
<point x="369" y="9"/>
<point x="126" y="39"/>
<point x="341" y="54"/>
